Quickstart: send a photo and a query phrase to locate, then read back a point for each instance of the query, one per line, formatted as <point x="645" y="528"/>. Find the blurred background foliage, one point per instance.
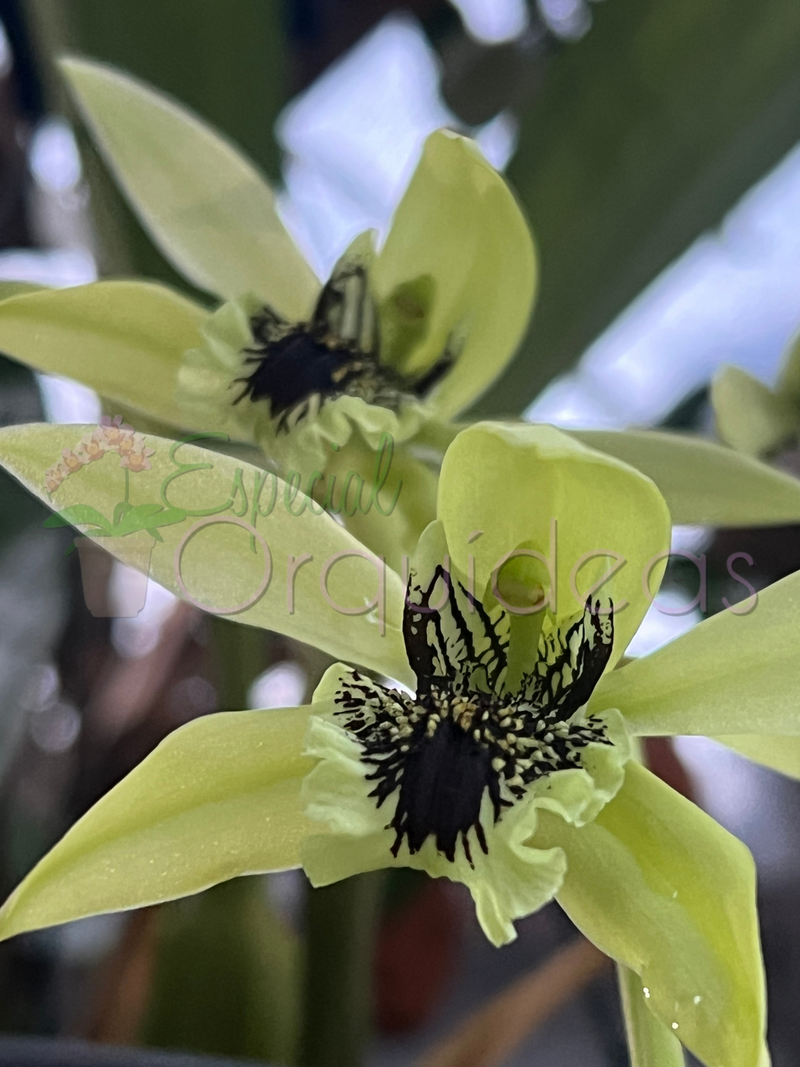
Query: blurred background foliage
<point x="643" y="135"/>
<point x="630" y="128"/>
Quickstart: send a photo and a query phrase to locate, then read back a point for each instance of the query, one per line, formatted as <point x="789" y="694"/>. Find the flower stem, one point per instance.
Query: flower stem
<point x="341" y="926"/>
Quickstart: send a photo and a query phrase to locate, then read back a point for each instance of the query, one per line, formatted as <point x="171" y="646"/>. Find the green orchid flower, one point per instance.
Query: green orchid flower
<point x="393" y="339"/>
<point x="500" y="755"/>
<point x="751" y="417"/>
<point x="394" y="345"/>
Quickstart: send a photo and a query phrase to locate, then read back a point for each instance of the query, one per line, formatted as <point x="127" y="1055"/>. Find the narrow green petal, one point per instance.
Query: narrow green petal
<point x="218" y="798"/>
<point x="204" y="204"/>
<point x="123" y="339"/>
<point x="704" y="483"/>
<point x="323" y="588"/>
<point x="458" y="265"/>
<point x="582" y="511"/>
<point x="651" y="1043"/>
<point x="732" y="673"/>
<point x="779" y="753"/>
<point x="749" y="416"/>
<point x="661" y="887"/>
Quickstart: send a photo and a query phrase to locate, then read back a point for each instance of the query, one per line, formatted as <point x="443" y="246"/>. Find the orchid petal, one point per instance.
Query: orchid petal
<point x="204" y="204"/>
<point x="458" y="269"/>
<point x="780" y="754"/>
<point x="651" y="1043"/>
<point x="535" y="489"/>
<point x="734" y="673"/>
<point x="322" y="586"/>
<point x="749" y="416"/>
<point x="218" y="798"/>
<point x="658" y="885"/>
<point x="703" y="482"/>
<point x="123" y="339"/>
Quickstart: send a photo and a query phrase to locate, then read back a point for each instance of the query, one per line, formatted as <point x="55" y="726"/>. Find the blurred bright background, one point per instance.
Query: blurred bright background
<point x="654" y="147"/>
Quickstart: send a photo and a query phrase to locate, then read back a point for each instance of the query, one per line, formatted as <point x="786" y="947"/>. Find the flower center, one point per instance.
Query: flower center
<point x="298" y="366"/>
<point x="440" y="751"/>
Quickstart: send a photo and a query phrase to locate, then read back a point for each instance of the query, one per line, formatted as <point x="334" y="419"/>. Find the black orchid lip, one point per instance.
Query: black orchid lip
<point x="298" y="366"/>
<point x="464" y="734"/>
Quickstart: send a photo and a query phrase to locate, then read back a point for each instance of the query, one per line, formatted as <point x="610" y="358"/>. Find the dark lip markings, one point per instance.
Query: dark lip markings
<point x="297" y="367"/>
<point x="463" y="735"/>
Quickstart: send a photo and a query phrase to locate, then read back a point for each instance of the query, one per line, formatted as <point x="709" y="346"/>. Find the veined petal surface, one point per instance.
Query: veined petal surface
<point x="661" y="887"/>
<point x="204" y="204"/>
<point x="218" y="798"/>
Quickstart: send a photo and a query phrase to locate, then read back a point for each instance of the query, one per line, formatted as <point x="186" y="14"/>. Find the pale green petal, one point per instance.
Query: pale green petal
<point x="732" y="673"/>
<point x="335" y="599"/>
<point x="458" y="265"/>
<point x="204" y="204"/>
<point x="651" y="1043"/>
<point x="658" y="885"/>
<point x="510" y="882"/>
<point x="218" y="798"/>
<point x="703" y="483"/>
<point x="536" y="488"/>
<point x="779" y="753"/>
<point x="123" y="339"/>
<point x="750" y="416"/>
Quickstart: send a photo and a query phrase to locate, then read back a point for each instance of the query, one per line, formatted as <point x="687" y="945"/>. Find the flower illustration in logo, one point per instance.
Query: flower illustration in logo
<point x="137" y="459"/>
<point x="92" y="447"/>
<point x="114" y="431"/>
<point x="128" y="443"/>
<point x="111" y="435"/>
<point x="71" y="461"/>
<point x="53" y="479"/>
